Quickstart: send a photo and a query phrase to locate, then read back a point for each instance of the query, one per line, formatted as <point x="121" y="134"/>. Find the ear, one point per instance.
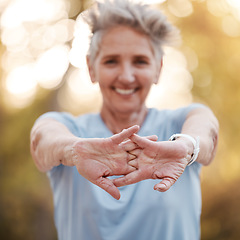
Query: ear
<point x="159" y="68"/>
<point x="90" y="70"/>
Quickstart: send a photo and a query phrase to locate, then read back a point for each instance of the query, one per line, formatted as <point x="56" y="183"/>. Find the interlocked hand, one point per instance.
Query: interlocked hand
<point x="96" y="158"/>
<point x="156" y="160"/>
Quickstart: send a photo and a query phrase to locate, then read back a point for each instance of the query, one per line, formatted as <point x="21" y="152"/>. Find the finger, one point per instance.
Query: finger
<point x="141" y="141"/>
<point x="135" y="152"/>
<point x="130" y="178"/>
<point x="128" y="145"/>
<point x="129" y="170"/>
<point x="107" y="185"/>
<point x="153" y="138"/>
<point x="164" y="185"/>
<point x="124" y="134"/>
<point x="131" y="157"/>
<point x="133" y="163"/>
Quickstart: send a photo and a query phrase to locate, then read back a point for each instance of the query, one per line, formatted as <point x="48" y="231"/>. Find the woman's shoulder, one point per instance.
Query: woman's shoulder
<point x="167" y="112"/>
<point x="74" y="123"/>
<point x="165" y="122"/>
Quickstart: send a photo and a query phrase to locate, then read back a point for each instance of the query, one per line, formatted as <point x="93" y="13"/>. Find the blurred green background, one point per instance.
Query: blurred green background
<point x="39" y="73"/>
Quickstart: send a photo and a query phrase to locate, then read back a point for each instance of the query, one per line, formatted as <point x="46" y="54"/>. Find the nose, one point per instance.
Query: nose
<point x="126" y="74"/>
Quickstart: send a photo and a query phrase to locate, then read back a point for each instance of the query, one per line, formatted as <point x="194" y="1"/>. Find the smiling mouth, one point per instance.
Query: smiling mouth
<point x="125" y="91"/>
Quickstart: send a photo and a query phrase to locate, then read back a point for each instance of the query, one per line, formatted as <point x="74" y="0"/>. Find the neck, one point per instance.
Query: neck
<point x="116" y="121"/>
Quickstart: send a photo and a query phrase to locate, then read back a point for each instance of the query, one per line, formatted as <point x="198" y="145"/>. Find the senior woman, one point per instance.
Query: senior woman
<point x="83" y="155"/>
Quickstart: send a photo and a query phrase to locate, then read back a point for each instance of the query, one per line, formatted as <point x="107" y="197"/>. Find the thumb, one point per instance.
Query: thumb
<point x="128" y="179"/>
<point x="107" y="185"/>
<point x="124" y="134"/>
<point x="142" y="142"/>
<point x="153" y="138"/>
<point x="164" y="185"/>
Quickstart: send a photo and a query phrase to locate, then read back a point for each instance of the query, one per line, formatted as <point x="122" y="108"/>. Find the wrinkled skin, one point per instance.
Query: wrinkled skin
<point x="156" y="160"/>
<point x="96" y="159"/>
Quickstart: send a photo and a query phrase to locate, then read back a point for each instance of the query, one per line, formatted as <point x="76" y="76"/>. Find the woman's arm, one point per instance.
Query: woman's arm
<point x="53" y="144"/>
<point x="167" y="160"/>
<point x="202" y="123"/>
<point x="50" y="141"/>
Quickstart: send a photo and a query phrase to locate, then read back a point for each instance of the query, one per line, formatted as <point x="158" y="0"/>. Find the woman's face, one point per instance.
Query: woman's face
<point x="125" y="69"/>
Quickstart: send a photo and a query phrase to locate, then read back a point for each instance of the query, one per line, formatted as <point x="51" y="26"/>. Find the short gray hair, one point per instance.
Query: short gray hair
<point x="103" y="16"/>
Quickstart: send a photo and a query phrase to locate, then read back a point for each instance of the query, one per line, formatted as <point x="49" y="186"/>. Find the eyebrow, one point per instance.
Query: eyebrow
<point x="117" y="56"/>
<point x="141" y="56"/>
<point x="110" y="56"/>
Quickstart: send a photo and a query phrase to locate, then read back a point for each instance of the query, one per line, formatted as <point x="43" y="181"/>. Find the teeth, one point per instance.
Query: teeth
<point x="125" y="91"/>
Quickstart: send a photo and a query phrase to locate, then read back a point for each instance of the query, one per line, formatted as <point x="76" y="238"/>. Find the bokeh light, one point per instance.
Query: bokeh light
<point x="175" y="82"/>
<point x="229" y="10"/>
<point x="51" y="66"/>
<point x="80" y="43"/>
<point x="218" y="8"/>
<point x="43" y="68"/>
<point x="180" y="8"/>
<point x="44" y="47"/>
<point x="20" y="85"/>
<point x="36" y="35"/>
<point x="231" y="26"/>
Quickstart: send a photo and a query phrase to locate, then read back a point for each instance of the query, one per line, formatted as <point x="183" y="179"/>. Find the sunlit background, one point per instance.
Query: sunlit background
<point x="42" y="52"/>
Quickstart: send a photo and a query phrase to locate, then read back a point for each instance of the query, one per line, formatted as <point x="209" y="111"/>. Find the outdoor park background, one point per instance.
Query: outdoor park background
<point x="43" y="69"/>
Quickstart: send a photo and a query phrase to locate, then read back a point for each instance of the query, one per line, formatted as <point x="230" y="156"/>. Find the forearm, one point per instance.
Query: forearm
<point x="50" y="142"/>
<point x="202" y="123"/>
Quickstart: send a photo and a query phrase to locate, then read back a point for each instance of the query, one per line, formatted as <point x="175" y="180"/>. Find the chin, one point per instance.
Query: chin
<point x="128" y="109"/>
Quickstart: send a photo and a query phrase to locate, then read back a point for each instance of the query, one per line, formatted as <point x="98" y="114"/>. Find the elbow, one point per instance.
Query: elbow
<point x="213" y="144"/>
<point x="35" y="152"/>
<point x="215" y="136"/>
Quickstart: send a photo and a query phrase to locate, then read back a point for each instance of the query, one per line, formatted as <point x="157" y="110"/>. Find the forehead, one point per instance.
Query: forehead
<point x="125" y="40"/>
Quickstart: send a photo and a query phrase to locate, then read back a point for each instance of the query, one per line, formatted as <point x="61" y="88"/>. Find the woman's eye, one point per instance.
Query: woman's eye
<point x="141" y="61"/>
<point x="110" y="61"/>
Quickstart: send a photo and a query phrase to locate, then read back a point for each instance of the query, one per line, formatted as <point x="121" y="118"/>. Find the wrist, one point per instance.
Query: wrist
<point x="194" y="143"/>
<point x="68" y="153"/>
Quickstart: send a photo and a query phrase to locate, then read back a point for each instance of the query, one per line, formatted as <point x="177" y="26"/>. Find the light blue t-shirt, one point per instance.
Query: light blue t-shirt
<point x="83" y="211"/>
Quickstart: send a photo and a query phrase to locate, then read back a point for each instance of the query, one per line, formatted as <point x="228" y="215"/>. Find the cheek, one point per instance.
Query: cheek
<point x="105" y="77"/>
<point x="148" y="78"/>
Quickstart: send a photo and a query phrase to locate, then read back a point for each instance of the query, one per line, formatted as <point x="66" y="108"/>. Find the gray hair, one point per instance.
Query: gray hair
<point x="103" y="16"/>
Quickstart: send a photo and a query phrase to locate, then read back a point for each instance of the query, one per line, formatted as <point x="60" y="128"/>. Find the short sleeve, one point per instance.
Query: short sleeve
<point x="65" y="118"/>
<point x="69" y="121"/>
<point x="180" y="115"/>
